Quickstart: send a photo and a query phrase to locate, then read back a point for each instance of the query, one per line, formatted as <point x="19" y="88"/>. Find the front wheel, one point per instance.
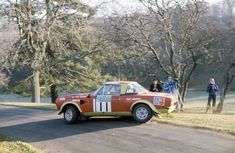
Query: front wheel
<point x="142" y="113"/>
<point x="71" y="114"/>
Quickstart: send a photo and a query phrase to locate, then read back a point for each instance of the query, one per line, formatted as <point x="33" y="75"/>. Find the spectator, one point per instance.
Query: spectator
<point x="159" y="85"/>
<point x="156" y="86"/>
<point x="212" y="89"/>
<point x="169" y="86"/>
<point x="153" y="86"/>
<point x="54" y="93"/>
<point x="176" y="83"/>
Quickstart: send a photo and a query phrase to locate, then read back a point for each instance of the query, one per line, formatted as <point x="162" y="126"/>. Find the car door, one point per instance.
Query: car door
<point x="103" y="99"/>
<point x="123" y="102"/>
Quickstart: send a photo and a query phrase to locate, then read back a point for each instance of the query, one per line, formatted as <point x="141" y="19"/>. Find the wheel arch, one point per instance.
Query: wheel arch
<point x="71" y="103"/>
<point x="150" y="105"/>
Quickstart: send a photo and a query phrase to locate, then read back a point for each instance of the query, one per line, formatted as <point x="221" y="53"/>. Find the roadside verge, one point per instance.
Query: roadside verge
<point x="11" y="145"/>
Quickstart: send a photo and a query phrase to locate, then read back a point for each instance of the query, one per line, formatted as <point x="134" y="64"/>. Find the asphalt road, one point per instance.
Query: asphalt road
<point x="47" y="131"/>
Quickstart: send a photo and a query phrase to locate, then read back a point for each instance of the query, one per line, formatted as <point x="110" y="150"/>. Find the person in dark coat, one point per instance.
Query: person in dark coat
<point x="54" y="93"/>
<point x="176" y="83"/>
<point x="159" y="85"/>
<point x="156" y="86"/>
<point x="153" y="86"/>
<point x="212" y="90"/>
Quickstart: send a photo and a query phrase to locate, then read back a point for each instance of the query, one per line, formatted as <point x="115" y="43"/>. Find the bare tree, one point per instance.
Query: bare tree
<point x="7" y="40"/>
<point x="224" y="58"/>
<point x="176" y="35"/>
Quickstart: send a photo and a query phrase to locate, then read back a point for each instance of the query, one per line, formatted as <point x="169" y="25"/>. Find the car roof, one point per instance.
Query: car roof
<point x="118" y="82"/>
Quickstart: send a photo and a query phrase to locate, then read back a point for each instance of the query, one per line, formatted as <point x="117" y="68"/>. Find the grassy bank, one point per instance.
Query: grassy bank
<point x="9" y="145"/>
<point x="194" y="115"/>
<point x="47" y="106"/>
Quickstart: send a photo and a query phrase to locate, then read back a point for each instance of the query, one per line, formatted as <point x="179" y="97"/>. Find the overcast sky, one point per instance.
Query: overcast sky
<point x="120" y="5"/>
<point x="127" y="2"/>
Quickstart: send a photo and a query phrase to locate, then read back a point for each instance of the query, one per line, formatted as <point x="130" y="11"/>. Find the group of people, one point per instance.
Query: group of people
<point x="169" y="86"/>
<point x="172" y="86"/>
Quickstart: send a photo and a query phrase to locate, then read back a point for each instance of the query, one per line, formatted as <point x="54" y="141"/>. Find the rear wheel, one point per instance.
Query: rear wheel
<point x="71" y="114"/>
<point x="142" y="113"/>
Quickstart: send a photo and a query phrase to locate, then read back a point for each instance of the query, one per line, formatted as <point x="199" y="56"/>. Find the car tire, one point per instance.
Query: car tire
<point x="142" y="113"/>
<point x="71" y="114"/>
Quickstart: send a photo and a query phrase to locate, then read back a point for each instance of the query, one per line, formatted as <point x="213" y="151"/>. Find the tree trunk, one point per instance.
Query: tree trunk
<point x="32" y="91"/>
<point x="223" y="93"/>
<point x="185" y="84"/>
<point x="36" y="88"/>
<point x="228" y="79"/>
<point x="219" y="107"/>
<point x="54" y="93"/>
<point x="184" y="91"/>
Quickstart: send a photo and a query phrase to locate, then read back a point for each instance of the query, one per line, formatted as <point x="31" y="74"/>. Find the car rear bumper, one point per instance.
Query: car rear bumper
<point x="167" y="109"/>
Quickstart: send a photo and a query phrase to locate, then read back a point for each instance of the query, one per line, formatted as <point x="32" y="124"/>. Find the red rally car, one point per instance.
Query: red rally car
<point x="121" y="98"/>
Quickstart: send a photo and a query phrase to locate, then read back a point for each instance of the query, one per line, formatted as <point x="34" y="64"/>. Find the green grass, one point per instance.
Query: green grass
<point x="46" y="106"/>
<point x="9" y="145"/>
<point x="194" y="115"/>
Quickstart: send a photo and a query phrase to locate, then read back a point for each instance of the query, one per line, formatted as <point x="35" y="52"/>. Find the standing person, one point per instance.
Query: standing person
<point x="153" y="86"/>
<point x="169" y="85"/>
<point x="159" y="85"/>
<point x="176" y="83"/>
<point x="212" y="89"/>
<point x="54" y="93"/>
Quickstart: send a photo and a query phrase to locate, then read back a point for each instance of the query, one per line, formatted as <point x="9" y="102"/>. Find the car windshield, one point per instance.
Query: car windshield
<point x="95" y="92"/>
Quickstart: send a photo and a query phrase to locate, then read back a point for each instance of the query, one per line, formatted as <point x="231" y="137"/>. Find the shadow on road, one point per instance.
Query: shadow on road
<point x="57" y="128"/>
<point x="12" y="111"/>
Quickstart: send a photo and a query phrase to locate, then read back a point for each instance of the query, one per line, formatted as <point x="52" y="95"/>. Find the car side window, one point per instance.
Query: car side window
<point x="109" y="89"/>
<point x="130" y="89"/>
<point x="115" y="90"/>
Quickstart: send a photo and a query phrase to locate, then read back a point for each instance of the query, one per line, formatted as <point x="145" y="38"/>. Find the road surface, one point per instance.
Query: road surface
<point x="48" y="132"/>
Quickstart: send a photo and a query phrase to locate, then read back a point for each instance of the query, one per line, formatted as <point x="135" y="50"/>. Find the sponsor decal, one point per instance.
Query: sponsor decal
<point x="102" y="103"/>
<point x="75" y="97"/>
<point x="136" y="99"/>
<point x="76" y="100"/>
<point x="61" y="98"/>
<point x="78" y="97"/>
<point x="133" y="98"/>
